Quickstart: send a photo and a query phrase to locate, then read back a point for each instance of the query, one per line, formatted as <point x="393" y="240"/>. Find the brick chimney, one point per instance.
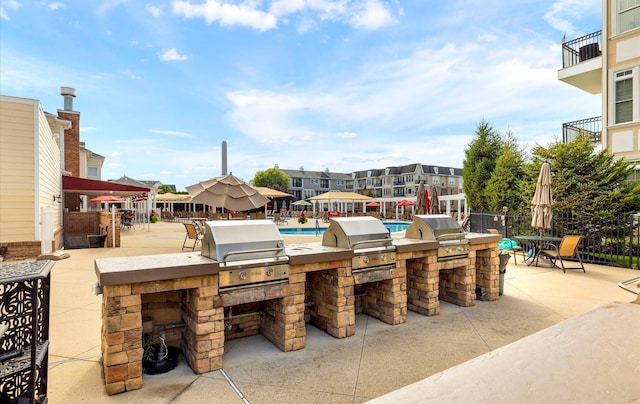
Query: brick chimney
<point x="71" y="135"/>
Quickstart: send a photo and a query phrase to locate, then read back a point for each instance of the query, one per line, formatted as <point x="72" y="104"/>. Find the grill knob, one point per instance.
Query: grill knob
<point x="447" y="249"/>
<point x="242" y="275"/>
<point x="268" y="271"/>
<point x="383" y="257"/>
<point x="365" y="259"/>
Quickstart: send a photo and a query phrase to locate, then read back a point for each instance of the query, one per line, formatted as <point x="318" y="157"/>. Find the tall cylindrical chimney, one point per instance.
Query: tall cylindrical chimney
<point x="224" y="157"/>
<point x="69" y="94"/>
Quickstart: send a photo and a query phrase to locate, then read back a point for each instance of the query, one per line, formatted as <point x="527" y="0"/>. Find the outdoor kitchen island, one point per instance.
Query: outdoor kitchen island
<point x="186" y="297"/>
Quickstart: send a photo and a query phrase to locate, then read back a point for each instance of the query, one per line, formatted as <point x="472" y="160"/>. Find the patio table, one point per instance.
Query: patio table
<point x="533" y="244"/>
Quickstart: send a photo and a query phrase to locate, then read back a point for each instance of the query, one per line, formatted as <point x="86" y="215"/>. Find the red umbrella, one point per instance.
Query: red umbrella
<point x="106" y="198"/>
<point x="373" y="205"/>
<point x="405" y="202"/>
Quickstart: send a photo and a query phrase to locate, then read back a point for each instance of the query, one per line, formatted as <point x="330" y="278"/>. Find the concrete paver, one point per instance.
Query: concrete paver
<point x="377" y="360"/>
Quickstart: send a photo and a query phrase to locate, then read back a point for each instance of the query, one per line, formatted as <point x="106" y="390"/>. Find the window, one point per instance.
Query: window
<point x="624" y="96"/>
<point x="92" y="172"/>
<point x="296" y="182"/>
<point x="324" y="183"/>
<point x="628" y="15"/>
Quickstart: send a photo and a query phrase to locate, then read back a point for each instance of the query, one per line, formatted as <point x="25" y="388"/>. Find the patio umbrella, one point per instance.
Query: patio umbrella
<point x="434" y="202"/>
<point x="421" y="200"/>
<point x="275" y="206"/>
<point x="405" y="202"/>
<point x="106" y="198"/>
<point x="373" y="205"/>
<point x="301" y="202"/>
<point x="227" y="191"/>
<point x="542" y="200"/>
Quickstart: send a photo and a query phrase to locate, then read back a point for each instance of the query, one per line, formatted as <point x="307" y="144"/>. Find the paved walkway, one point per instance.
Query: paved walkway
<point x="377" y="360"/>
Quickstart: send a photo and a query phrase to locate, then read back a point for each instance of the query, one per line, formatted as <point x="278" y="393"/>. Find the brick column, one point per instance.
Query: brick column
<point x="458" y="281"/>
<point x="386" y="300"/>
<point x="487" y="264"/>
<point x="203" y="343"/>
<point x="423" y="285"/>
<point x="283" y="320"/>
<point x="121" y="339"/>
<point x="333" y="308"/>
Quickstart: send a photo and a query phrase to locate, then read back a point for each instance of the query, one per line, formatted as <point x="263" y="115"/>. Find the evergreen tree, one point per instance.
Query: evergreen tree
<point x="480" y="160"/>
<point x="585" y="182"/>
<point x="503" y="189"/>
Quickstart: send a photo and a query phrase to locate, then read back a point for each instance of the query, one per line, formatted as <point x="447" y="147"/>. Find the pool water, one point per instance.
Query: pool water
<point x="393" y="227"/>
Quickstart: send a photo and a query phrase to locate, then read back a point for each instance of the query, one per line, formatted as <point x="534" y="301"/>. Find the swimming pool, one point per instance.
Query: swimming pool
<point x="310" y="231"/>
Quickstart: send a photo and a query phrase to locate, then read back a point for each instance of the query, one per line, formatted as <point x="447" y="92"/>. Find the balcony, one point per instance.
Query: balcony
<point x="582" y="63"/>
<point x="590" y="126"/>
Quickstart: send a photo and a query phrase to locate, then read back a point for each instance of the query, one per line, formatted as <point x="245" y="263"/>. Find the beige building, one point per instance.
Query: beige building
<point x="30" y="176"/>
<point x="607" y="62"/>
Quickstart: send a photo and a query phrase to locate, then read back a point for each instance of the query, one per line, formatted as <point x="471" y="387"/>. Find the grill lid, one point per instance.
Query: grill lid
<point x="434" y="227"/>
<point x="239" y="240"/>
<point x="356" y="233"/>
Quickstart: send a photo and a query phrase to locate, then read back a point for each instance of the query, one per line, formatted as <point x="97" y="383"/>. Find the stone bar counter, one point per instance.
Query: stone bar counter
<point x="144" y="292"/>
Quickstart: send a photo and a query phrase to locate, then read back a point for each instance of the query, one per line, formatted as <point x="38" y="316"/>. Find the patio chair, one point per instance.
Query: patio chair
<point x="568" y="248"/>
<point x="278" y="219"/>
<point x="192" y="234"/>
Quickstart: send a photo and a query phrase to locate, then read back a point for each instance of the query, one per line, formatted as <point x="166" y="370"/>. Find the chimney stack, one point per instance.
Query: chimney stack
<point x="69" y="94"/>
<point x="224" y="157"/>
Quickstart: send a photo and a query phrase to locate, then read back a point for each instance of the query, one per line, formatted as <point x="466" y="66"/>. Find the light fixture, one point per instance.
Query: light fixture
<point x="57" y="197"/>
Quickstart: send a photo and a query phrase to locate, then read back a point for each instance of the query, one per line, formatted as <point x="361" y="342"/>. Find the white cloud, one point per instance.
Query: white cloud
<point x="372" y="15"/>
<point x="113" y="165"/>
<point x="114" y="154"/>
<point x="107" y="5"/>
<point x="169" y="132"/>
<point x="226" y="14"/>
<point x="56" y="6"/>
<point x="153" y="10"/>
<point x="8" y="4"/>
<point x="86" y="129"/>
<point x="173" y="55"/>
<point x="346" y="135"/>
<point x="565" y="13"/>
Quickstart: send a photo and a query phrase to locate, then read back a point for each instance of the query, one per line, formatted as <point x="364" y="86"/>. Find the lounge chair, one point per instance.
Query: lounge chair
<point x="568" y="248"/>
<point x="192" y="234"/>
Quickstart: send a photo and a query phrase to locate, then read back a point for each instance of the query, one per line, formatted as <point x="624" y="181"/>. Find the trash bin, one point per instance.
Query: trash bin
<point x="504" y="260"/>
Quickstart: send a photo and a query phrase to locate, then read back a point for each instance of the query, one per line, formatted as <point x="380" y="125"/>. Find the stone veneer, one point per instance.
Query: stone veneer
<point x="332" y="301"/>
<point x="201" y="309"/>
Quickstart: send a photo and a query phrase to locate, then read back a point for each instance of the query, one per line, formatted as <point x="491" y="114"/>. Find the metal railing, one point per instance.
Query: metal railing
<point x="612" y="242"/>
<point x="590" y="126"/>
<point x="581" y="49"/>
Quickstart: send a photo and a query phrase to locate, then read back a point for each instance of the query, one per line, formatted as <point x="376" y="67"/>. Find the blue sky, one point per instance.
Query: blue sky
<point x="340" y="84"/>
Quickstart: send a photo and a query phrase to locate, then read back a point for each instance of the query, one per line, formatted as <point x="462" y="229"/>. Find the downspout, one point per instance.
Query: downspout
<point x="606" y="8"/>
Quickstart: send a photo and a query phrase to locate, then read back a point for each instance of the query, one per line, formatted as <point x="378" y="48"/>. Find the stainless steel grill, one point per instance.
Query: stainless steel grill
<point x="250" y="253"/>
<point x="443" y="229"/>
<point x="367" y="237"/>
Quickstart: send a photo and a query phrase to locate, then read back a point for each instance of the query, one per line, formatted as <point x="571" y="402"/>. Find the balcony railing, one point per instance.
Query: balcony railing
<point x="581" y="49"/>
<point x="590" y="126"/>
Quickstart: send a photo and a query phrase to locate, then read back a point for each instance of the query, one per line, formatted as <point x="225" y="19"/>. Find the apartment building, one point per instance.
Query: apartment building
<point x="305" y="184"/>
<point x="607" y="62"/>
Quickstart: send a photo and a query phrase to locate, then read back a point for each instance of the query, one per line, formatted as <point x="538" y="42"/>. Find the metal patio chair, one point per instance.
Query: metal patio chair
<point x="568" y="248"/>
<point x="192" y="234"/>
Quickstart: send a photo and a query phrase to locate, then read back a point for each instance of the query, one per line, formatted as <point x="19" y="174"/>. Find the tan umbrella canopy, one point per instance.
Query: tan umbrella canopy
<point x="542" y="200"/>
<point x="171" y="197"/>
<point x="301" y="202"/>
<point x="272" y="193"/>
<point x="340" y="196"/>
<point x="106" y="198"/>
<point x="227" y="191"/>
<point x="421" y="200"/>
<point x="434" y="202"/>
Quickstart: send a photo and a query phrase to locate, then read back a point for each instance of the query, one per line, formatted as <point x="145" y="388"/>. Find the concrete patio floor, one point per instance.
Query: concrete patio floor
<point x="377" y="360"/>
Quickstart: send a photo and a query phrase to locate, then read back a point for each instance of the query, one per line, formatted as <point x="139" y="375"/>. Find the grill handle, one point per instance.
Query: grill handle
<point x="387" y="242"/>
<point x="450" y="236"/>
<point x="274" y="250"/>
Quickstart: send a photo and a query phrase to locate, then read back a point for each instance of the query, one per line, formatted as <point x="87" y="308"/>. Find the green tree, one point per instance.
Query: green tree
<point x="586" y="182"/>
<point x="480" y="161"/>
<point x="503" y="187"/>
<point x="273" y="178"/>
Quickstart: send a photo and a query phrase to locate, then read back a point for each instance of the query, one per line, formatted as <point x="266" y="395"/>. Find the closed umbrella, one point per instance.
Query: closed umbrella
<point x="421" y="200"/>
<point x="227" y="191"/>
<point x="434" y="202"/>
<point x="542" y="199"/>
